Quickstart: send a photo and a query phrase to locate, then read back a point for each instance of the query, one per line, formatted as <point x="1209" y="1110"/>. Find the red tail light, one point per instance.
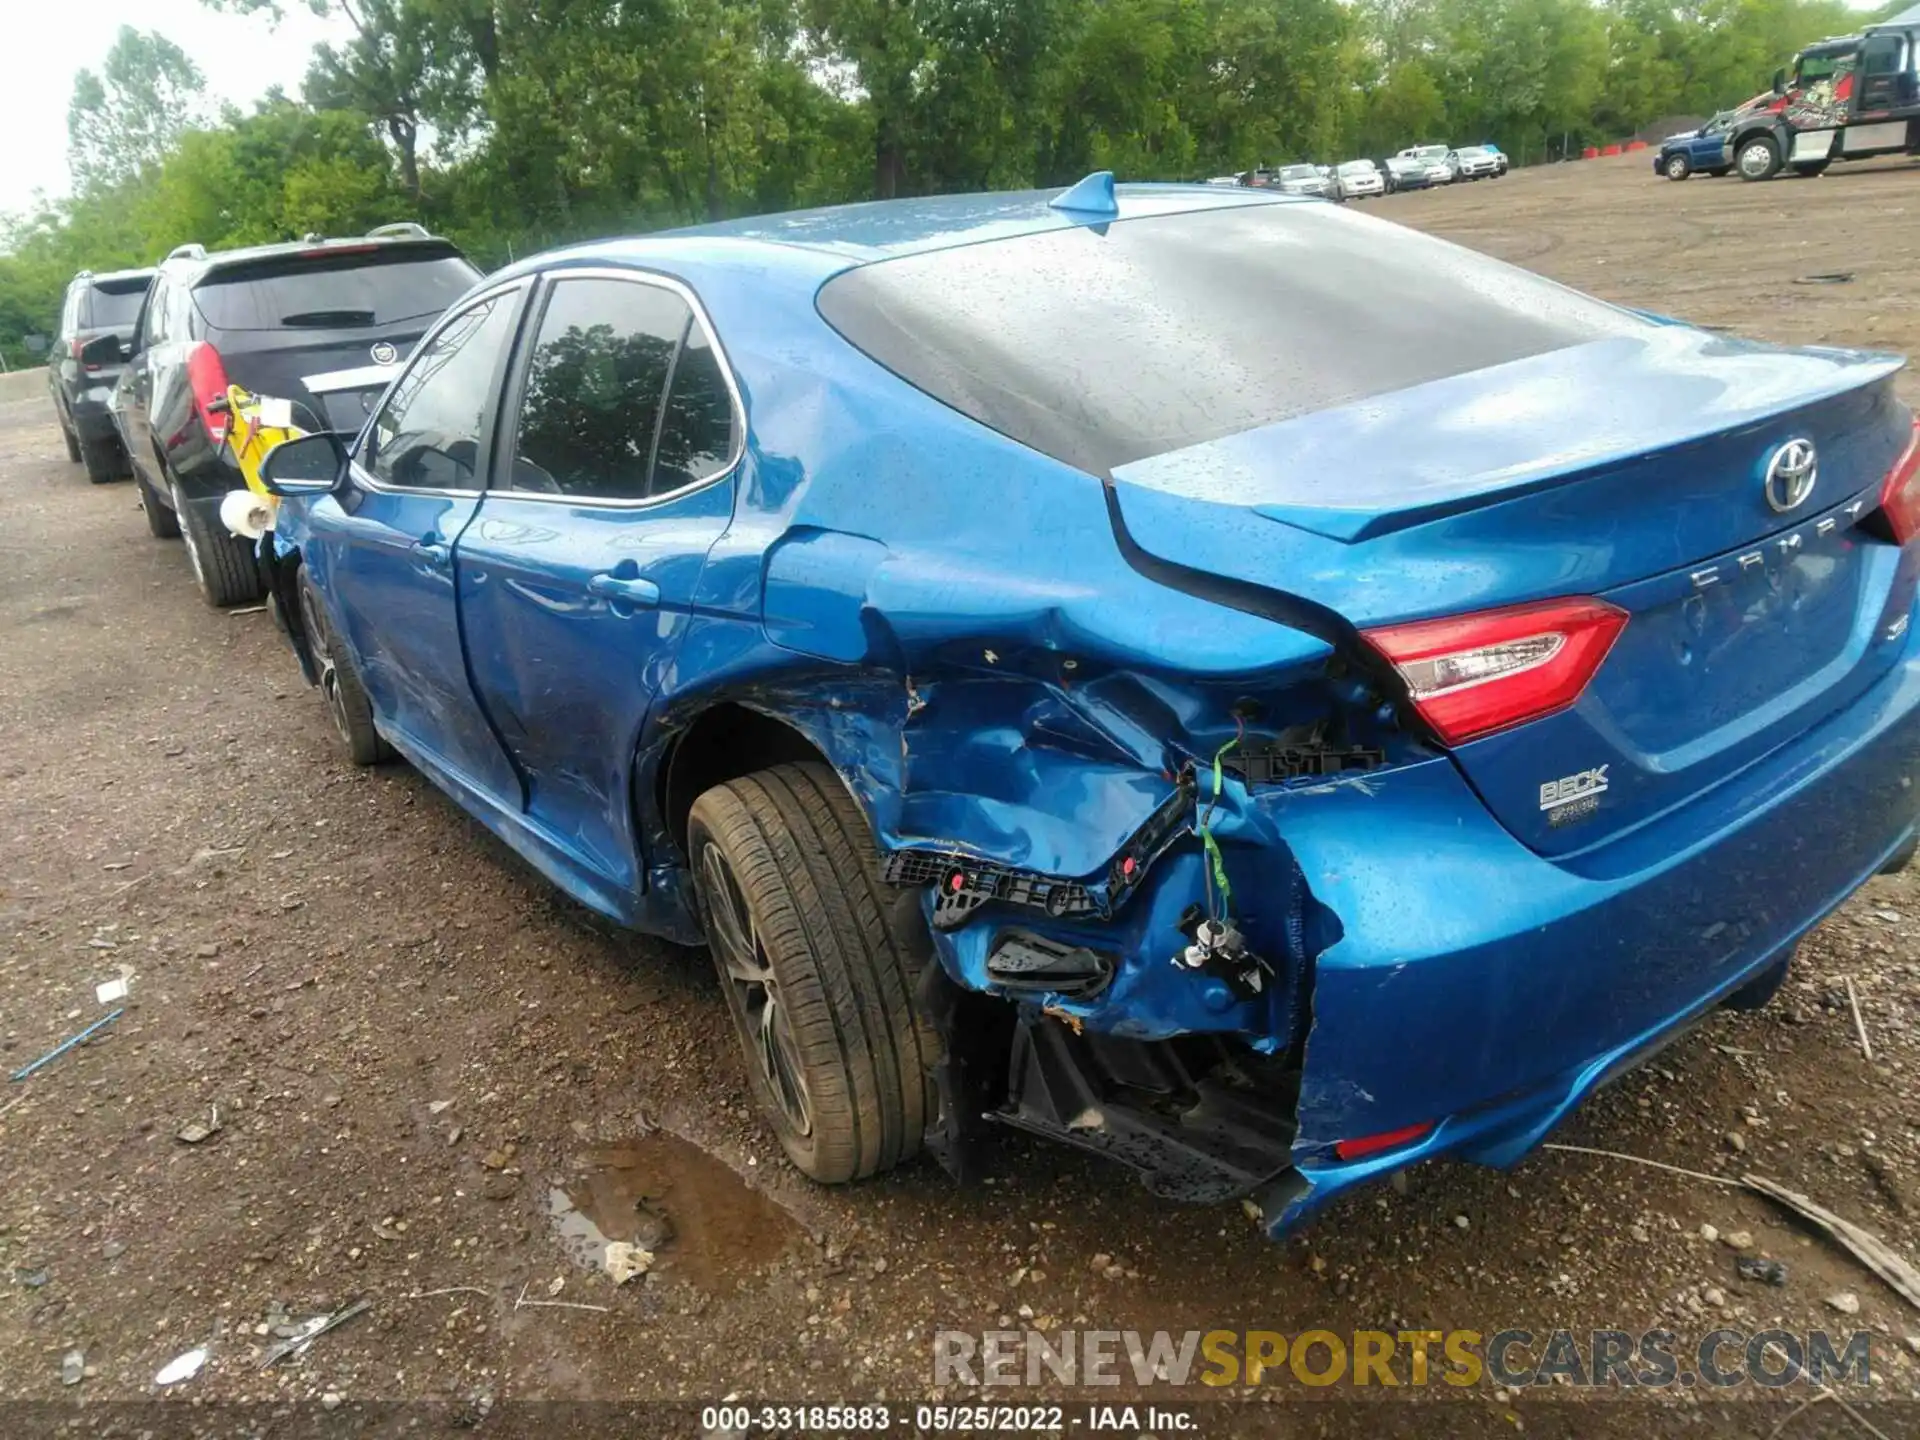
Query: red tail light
<point x="74" y="347"/>
<point x="1900" y="495"/>
<point x="1367" y="1145"/>
<point x="1471" y="675"/>
<point x="207" y="375"/>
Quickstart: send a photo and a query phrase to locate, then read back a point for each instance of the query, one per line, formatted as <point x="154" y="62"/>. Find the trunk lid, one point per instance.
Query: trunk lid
<point x="283" y="362"/>
<point x="1633" y="469"/>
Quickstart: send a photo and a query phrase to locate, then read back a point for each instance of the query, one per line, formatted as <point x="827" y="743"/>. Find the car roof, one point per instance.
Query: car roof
<point x="98" y="277"/>
<point x="197" y="267"/>
<point x="886" y="229"/>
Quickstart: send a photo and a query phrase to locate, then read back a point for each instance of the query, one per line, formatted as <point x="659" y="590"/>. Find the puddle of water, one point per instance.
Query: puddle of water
<point x="703" y="1223"/>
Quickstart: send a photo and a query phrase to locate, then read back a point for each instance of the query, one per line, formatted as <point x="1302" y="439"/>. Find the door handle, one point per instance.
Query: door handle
<point x="630" y="589"/>
<point x="432" y="552"/>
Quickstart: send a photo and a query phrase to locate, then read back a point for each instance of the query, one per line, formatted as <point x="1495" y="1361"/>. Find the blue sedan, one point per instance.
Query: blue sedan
<point x="1203" y="675"/>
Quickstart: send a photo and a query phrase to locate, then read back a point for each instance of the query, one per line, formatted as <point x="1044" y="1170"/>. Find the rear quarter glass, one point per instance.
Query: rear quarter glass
<point x="1104" y="345"/>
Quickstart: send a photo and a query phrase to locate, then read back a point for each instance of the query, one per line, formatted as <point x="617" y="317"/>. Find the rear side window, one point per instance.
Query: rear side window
<point x="1100" y="346"/>
<point x="620" y="373"/>
<point x="115" y="304"/>
<point x="696" y="432"/>
<point x="334" y="291"/>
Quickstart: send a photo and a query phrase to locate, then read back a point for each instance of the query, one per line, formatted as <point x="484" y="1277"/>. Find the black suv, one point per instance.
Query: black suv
<point x="278" y="320"/>
<point x="96" y="305"/>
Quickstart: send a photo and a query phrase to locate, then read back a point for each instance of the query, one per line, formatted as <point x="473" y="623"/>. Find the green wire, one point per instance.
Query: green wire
<point x="1215" y="860"/>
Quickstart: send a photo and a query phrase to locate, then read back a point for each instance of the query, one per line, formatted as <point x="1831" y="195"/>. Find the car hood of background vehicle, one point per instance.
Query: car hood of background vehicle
<point x="1366" y="507"/>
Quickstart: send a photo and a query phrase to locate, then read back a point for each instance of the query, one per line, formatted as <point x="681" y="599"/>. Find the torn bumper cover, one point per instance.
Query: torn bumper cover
<point x="1434" y="986"/>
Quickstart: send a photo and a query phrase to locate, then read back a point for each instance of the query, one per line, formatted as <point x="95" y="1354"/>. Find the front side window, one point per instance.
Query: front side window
<point x="428" y="436"/>
<point x="595" y="412"/>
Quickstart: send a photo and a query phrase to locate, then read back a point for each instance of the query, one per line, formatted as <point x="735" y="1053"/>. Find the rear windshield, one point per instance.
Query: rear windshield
<point x="114" y="304"/>
<point x="1103" y="345"/>
<point x="339" y="291"/>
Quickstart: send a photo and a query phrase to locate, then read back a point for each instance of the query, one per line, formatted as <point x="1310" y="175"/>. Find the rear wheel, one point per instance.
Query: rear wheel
<point x="819" y="960"/>
<point x="340" y="683"/>
<point x="1818" y="167"/>
<point x="102" y="459"/>
<point x="162" y="523"/>
<point x="1678" y="167"/>
<point x="223" y="565"/>
<point x="1758" y="158"/>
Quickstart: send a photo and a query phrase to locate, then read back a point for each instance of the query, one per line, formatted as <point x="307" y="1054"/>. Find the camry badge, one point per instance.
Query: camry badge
<point x="1790" y="475"/>
<point x="385" y="354"/>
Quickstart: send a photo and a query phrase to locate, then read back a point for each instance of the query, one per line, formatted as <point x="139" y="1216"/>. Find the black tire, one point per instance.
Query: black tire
<point x="223" y="565"/>
<point x="73" y="440"/>
<point x="1758" y="158"/>
<point x="1817" y="167"/>
<point x="819" y="960"/>
<point x="162" y="523"/>
<point x="1677" y="167"/>
<point x="102" y="459"/>
<point x="1719" y="171"/>
<point x="340" y="683"/>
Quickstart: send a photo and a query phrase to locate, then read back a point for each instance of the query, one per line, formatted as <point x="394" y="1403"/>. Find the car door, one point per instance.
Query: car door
<point x="133" y="393"/>
<point x="577" y="577"/>
<point x="381" y="546"/>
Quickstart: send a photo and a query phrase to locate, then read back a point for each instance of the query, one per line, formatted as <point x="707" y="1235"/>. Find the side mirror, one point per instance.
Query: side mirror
<point x="1780" y="82"/>
<point x="102" y="350"/>
<point x="308" y="465"/>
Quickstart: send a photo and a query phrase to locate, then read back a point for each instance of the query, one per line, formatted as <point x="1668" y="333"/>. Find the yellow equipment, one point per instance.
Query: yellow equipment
<point x="255" y="424"/>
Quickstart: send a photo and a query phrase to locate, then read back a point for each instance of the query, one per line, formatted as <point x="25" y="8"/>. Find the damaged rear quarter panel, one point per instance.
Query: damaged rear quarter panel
<point x="945" y="616"/>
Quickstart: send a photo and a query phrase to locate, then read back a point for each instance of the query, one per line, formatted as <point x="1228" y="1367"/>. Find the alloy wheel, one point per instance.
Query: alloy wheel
<point x="322" y="650"/>
<point x="193" y="540"/>
<point x="755" y="989"/>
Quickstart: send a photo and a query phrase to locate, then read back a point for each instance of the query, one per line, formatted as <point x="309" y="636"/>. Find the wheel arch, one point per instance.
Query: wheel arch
<point x="724" y="740"/>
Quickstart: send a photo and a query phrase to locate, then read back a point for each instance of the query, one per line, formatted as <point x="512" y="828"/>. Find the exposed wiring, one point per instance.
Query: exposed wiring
<point x="1214" y="872"/>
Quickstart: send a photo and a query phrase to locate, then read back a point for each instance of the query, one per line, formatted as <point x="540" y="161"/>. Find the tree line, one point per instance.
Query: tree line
<point x="512" y="125"/>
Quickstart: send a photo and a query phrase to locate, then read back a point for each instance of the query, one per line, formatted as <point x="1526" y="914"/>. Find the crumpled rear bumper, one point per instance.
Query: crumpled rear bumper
<point x="1487" y="991"/>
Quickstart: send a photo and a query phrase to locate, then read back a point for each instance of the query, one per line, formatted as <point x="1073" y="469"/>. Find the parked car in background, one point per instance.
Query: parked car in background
<point x="1403" y="172"/>
<point x="95" y="306"/>
<point x="1359" y="178"/>
<point x="265" y="318"/>
<point x="1702" y="151"/>
<point x="1474" y="162"/>
<point x="1439" y="160"/>
<point x="1303" y="180"/>
<point x="1499" y="155"/>
<point x="1094" y="718"/>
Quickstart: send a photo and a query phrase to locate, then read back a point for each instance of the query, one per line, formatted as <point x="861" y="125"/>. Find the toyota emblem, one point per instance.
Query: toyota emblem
<point x="384" y="353"/>
<point x="1791" y="474"/>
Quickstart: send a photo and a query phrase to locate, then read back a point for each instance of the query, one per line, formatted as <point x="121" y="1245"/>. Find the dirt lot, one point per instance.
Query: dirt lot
<point x="434" y="1078"/>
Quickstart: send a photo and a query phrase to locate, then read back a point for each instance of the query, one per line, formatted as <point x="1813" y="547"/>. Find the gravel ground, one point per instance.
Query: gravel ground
<point x="441" y="1087"/>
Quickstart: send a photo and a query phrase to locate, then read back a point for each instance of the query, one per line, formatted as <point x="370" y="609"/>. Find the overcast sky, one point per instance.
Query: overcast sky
<point x="43" y="43"/>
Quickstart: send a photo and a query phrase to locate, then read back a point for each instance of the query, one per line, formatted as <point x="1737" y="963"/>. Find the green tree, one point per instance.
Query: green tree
<point x="128" y="116"/>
